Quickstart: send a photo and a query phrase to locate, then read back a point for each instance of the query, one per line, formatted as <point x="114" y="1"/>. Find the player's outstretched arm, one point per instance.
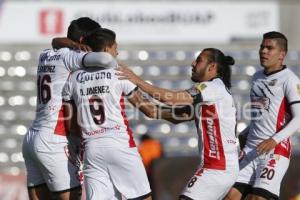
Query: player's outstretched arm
<point x="176" y="114"/>
<point x="152" y="110"/>
<point x="166" y="96"/>
<point x="143" y="104"/>
<point x="75" y="60"/>
<point x="58" y="43"/>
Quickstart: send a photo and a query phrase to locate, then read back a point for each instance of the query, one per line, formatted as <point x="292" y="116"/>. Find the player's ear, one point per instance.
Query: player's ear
<point x="282" y="55"/>
<point x="212" y="66"/>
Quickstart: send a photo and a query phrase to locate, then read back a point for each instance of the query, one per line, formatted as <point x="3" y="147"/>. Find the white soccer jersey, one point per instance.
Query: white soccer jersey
<point x="53" y="71"/>
<point x="216" y="122"/>
<point x="99" y="97"/>
<point x="271" y="95"/>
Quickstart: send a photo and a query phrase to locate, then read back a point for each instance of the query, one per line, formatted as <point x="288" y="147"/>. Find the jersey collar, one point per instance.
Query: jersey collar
<point x="274" y="72"/>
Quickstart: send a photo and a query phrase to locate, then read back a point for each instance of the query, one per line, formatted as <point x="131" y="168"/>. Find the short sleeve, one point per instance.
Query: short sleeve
<point x="210" y="91"/>
<point x="292" y="89"/>
<point x="73" y="59"/>
<point x="127" y="87"/>
<point x="67" y="91"/>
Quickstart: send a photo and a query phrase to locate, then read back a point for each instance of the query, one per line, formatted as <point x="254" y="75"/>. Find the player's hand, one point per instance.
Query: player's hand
<point x="125" y="73"/>
<point x="80" y="46"/>
<point x="122" y="65"/>
<point x="266" y="146"/>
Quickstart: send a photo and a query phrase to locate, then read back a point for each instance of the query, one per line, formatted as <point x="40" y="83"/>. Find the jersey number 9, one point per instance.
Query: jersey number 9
<point x="97" y="109"/>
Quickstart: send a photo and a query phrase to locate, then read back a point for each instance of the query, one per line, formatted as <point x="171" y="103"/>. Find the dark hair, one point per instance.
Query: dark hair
<point x="81" y="27"/>
<point x="100" y="38"/>
<point x="145" y="137"/>
<point x="279" y="37"/>
<point x="223" y="63"/>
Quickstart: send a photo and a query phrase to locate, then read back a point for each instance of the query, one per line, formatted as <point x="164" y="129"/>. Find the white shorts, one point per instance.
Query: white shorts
<point x="110" y="173"/>
<point x="46" y="161"/>
<point x="265" y="171"/>
<point x="211" y="184"/>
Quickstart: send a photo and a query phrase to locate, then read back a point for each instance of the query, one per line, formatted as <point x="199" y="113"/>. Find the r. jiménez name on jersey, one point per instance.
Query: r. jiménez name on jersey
<point x="84" y="77"/>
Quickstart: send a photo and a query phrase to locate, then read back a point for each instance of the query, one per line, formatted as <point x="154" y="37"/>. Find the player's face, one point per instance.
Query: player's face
<point x="200" y="67"/>
<point x="271" y="55"/>
<point x="113" y="50"/>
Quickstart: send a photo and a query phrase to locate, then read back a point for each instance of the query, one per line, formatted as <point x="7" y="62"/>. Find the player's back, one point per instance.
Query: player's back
<point x="52" y="73"/>
<point x="99" y="97"/>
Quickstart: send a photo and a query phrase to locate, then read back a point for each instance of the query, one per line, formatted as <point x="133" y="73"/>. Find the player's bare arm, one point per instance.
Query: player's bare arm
<point x="166" y="96"/>
<point x="152" y="110"/>
<point x="176" y="114"/>
<point x="58" y="43"/>
<point x="143" y="104"/>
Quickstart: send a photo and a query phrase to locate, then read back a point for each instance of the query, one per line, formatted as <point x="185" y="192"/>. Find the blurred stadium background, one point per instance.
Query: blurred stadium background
<point x="159" y="40"/>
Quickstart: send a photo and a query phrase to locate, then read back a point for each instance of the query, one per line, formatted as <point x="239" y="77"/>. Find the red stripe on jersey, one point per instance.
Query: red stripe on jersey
<point x="129" y="131"/>
<point x="214" y="157"/>
<point x="60" y="128"/>
<point x="284" y="147"/>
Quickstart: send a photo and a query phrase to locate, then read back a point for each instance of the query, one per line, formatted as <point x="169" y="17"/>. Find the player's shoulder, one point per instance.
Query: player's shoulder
<point x="214" y="84"/>
<point x="289" y="72"/>
<point x="286" y="75"/>
<point x="46" y="54"/>
<point x="65" y="50"/>
<point x="258" y="74"/>
<point x="51" y="52"/>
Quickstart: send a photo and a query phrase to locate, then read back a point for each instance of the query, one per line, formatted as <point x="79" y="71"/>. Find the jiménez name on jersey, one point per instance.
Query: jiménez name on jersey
<point x="95" y="90"/>
<point x="46" y="68"/>
<point x="83" y="77"/>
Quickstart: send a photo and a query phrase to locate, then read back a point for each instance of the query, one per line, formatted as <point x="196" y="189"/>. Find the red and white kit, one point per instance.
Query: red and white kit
<point x="112" y="164"/>
<point x="215" y="121"/>
<point x="271" y="99"/>
<point x="45" y="145"/>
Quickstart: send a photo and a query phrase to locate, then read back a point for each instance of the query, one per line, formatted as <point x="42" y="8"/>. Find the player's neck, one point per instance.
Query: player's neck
<point x="270" y="70"/>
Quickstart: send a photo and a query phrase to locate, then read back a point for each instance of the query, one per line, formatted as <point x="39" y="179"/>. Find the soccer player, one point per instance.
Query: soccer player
<point x="112" y="164"/>
<point x="49" y="173"/>
<point x="214" y="113"/>
<point x="275" y="106"/>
